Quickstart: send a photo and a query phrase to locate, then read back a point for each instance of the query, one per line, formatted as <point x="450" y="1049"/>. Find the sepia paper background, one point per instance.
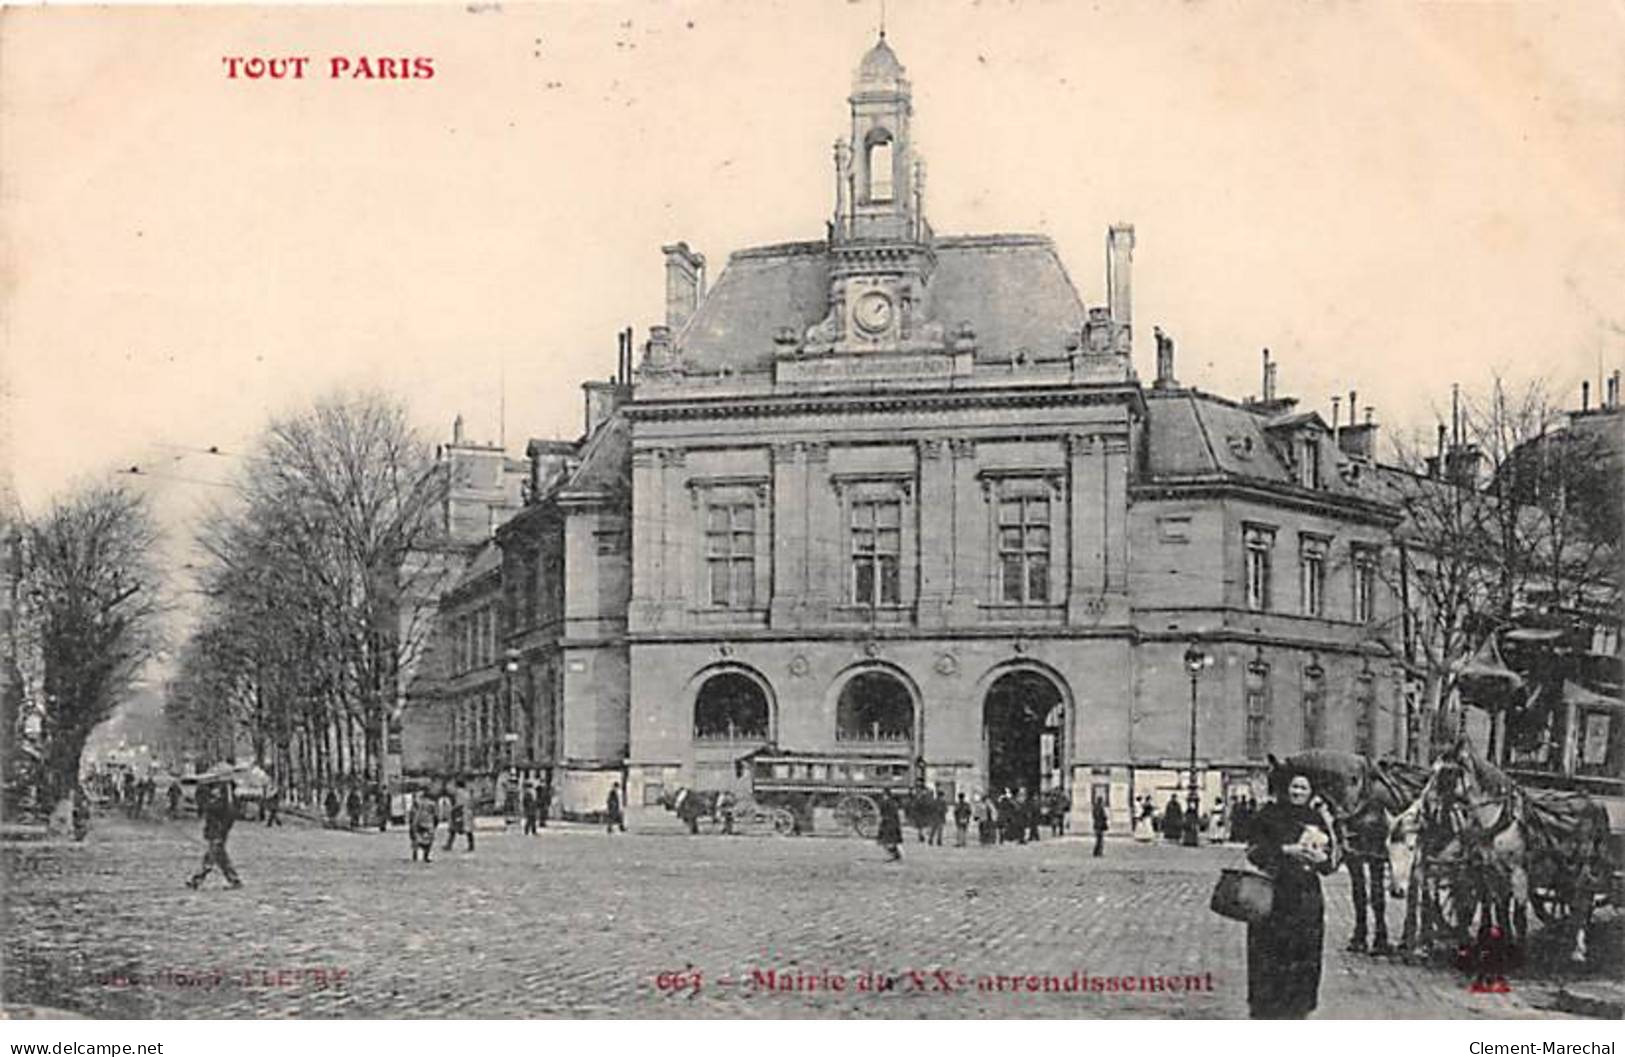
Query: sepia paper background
<point x="1391" y="197"/>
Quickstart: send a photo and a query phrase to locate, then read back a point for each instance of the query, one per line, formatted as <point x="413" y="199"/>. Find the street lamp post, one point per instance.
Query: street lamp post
<point x="1195" y="661"/>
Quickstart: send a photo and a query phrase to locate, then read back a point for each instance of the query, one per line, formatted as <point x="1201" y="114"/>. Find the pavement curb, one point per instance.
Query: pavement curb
<point x="1593" y="1000"/>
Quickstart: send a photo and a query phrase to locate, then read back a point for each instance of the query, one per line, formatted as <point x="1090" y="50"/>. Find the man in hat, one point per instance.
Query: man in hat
<point x="1097" y="817"/>
<point x="218" y="807"/>
<point x="528" y="800"/>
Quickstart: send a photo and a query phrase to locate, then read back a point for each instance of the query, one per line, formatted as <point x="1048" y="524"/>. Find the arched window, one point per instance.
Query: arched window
<point x="880" y="171"/>
<point x="730" y="707"/>
<point x="874" y="706"/>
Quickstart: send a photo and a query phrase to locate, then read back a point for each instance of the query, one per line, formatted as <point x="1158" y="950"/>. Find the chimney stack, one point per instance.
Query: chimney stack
<point x="1359" y="439"/>
<point x="1613" y="390"/>
<point x="1119" y="277"/>
<point x="457" y="430"/>
<point x="1269" y="378"/>
<point x="685" y="283"/>
<point x="1461" y="465"/>
<point x="1165" y="360"/>
<point x="1585" y="396"/>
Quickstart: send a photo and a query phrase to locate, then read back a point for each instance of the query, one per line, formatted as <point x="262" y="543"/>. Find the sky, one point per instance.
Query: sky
<point x="1391" y="197"/>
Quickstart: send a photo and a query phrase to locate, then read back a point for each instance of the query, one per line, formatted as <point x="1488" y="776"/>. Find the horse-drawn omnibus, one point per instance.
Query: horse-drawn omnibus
<point x="801" y="792"/>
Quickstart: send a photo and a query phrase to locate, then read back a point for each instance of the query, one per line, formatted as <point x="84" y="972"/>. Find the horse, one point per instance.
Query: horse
<point x="1521" y="840"/>
<point x="1363" y="797"/>
<point x="1430" y="866"/>
<point x="691" y="805"/>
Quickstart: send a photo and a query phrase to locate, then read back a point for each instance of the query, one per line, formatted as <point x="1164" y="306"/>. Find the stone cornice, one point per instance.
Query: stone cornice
<point x="1226" y="486"/>
<point x="781" y="405"/>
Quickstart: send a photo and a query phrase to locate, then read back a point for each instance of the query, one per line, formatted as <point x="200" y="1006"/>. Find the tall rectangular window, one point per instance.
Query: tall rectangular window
<point x="1257" y="706"/>
<point x="1314" y="707"/>
<point x="1259" y="542"/>
<point x="730" y="554"/>
<point x="1365" y="715"/>
<point x="1024" y="546"/>
<point x="1365" y="585"/>
<point x="877" y="546"/>
<point x="1312" y="576"/>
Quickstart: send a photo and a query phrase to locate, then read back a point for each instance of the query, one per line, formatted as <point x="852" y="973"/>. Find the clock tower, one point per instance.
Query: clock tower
<point x="880" y="245"/>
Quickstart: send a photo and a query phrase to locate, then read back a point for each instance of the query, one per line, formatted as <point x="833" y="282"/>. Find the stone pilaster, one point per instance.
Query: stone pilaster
<point x="676" y="530"/>
<point x="789" y="534"/>
<point x="646" y="518"/>
<point x="968" y="549"/>
<point x="1086" y="578"/>
<point x="936" y="490"/>
<point x="825" y="564"/>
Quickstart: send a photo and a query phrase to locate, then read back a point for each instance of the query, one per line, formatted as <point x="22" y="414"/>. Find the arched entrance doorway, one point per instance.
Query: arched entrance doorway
<point x="875" y="708"/>
<point x="731" y="706"/>
<point x="1024" y="725"/>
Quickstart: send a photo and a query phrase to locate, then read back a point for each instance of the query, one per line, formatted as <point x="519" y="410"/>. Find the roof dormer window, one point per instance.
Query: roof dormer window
<point x="1309" y="461"/>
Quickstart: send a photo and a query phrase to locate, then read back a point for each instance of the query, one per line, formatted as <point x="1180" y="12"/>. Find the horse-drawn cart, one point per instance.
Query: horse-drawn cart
<point x="1492" y="846"/>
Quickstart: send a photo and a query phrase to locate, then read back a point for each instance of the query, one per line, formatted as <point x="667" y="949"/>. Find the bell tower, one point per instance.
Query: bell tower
<point x="881" y="257"/>
<point x="876" y="167"/>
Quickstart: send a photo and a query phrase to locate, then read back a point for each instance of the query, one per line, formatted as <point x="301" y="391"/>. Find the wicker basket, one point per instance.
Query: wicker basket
<point x="1243" y="895"/>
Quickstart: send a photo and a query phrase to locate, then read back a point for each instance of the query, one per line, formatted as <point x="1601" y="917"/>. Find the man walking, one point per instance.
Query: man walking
<point x="352" y="807"/>
<point x="422" y="826"/>
<point x="614" y="818"/>
<point x="938" y="807"/>
<point x="529" y="803"/>
<point x="462" y="817"/>
<point x="544" y="803"/>
<point x="890" y="834"/>
<point x="174" y="799"/>
<point x="219" y="810"/>
<point x="961" y="820"/>
<point x="1098" y="817"/>
<point x="273" y="806"/>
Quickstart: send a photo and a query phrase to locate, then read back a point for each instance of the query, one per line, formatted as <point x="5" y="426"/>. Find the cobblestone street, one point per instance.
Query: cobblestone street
<point x="578" y="923"/>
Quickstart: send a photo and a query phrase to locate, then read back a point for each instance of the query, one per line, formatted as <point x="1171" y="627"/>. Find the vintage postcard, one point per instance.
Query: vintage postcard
<point x="812" y="510"/>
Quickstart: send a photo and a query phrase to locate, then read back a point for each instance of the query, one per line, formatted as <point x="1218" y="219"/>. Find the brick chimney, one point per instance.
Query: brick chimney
<point x="685" y="283"/>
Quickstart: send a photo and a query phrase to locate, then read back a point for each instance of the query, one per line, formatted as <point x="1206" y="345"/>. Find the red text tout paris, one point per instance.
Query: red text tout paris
<point x="335" y="67"/>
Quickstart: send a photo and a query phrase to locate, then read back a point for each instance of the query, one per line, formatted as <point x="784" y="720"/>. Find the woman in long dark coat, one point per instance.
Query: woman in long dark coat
<point x="1292" y="842"/>
<point x="891" y="827"/>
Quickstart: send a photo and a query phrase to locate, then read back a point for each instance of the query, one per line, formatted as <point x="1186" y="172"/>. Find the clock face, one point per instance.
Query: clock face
<point x="873" y="312"/>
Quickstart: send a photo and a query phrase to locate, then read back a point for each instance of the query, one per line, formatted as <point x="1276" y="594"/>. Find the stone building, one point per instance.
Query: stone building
<point x="903" y="493"/>
<point x="445" y="622"/>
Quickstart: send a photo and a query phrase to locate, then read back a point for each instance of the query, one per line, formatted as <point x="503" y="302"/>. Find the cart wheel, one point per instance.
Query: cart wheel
<point x="784" y="823"/>
<point x="861" y="813"/>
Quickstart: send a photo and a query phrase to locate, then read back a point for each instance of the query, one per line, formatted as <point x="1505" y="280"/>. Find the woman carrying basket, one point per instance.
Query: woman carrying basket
<point x="1292" y="842"/>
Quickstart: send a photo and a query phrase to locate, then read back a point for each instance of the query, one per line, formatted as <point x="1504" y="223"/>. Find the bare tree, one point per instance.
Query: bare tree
<point x="316" y="579"/>
<point x="88" y="576"/>
<point x="1498" y="517"/>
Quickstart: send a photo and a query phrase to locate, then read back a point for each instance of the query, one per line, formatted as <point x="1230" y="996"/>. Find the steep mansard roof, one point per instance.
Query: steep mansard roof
<point x="1012" y="289"/>
<point x="1195" y="434"/>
